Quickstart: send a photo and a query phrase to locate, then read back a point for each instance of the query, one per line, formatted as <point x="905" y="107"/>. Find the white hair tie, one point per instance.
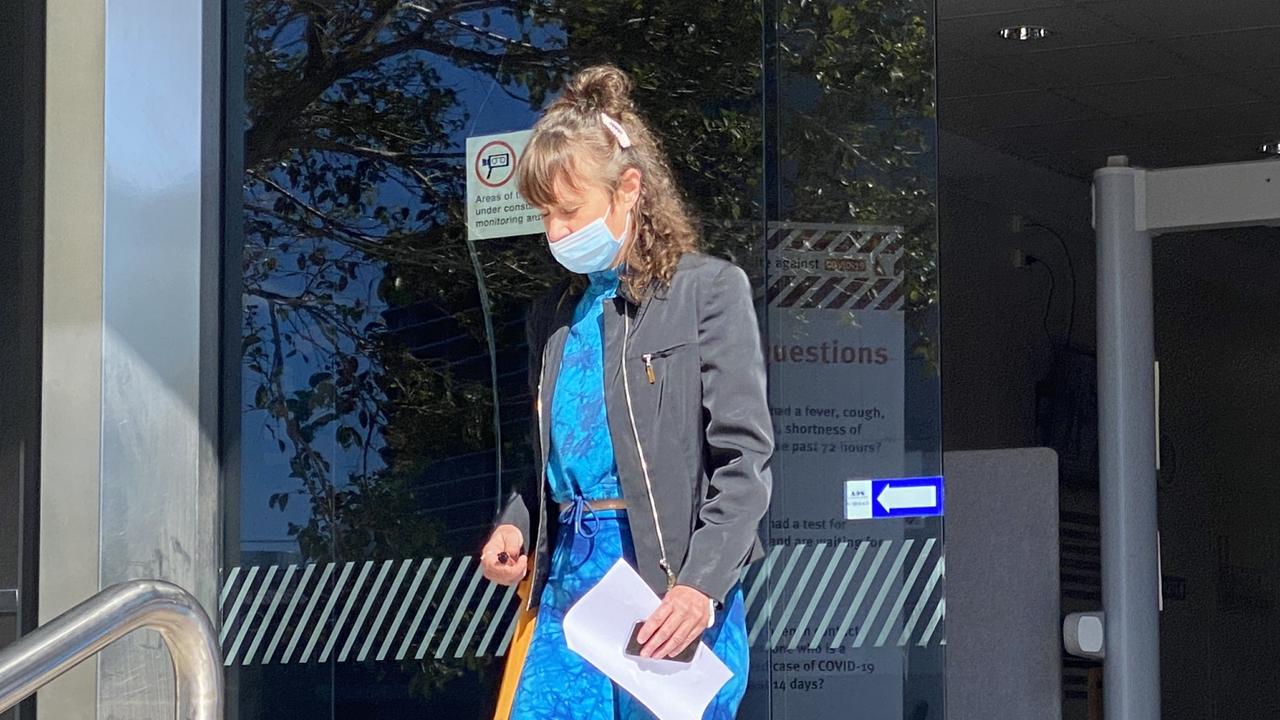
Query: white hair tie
<point x="615" y="127"/>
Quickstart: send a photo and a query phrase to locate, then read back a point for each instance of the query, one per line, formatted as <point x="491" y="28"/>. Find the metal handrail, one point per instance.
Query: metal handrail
<point x="78" y="634"/>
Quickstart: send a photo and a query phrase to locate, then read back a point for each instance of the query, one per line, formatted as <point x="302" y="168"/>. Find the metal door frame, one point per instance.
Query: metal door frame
<point x="1131" y="206"/>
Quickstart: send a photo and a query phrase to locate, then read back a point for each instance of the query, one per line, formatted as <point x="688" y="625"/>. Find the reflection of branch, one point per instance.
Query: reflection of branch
<point x="383" y="247"/>
<point x="366" y="241"/>
<point x="311" y="305"/>
<point x="373" y="245"/>
<point x="833" y="135"/>
<point x="368" y="440"/>
<point x="512" y="95"/>
<point x="314" y="461"/>
<point x="310" y="209"/>
<point x="400" y="248"/>
<point x="490" y="35"/>
<point x="280" y="111"/>
<point x="312" y="142"/>
<point x="421" y="177"/>
<point x="422" y="40"/>
<point x="379" y="23"/>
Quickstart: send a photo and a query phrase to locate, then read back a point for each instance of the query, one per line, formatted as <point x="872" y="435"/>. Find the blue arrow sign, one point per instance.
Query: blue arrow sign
<point x="893" y="498"/>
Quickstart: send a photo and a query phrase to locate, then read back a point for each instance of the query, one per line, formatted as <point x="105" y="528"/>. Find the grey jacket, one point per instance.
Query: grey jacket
<point x="694" y="399"/>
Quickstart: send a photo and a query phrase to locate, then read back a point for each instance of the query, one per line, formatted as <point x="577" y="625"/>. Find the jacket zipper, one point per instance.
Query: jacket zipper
<point x="542" y="484"/>
<point x="542" y="474"/>
<point x="644" y="466"/>
<point x="648" y="367"/>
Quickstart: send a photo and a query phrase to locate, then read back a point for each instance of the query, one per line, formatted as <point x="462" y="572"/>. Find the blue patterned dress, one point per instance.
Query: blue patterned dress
<point x="556" y="683"/>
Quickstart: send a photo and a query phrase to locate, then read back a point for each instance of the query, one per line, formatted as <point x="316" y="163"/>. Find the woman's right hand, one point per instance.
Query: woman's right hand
<point x="506" y="541"/>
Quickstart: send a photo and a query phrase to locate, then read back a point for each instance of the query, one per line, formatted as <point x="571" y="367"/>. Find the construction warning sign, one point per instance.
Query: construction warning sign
<point x="835" y="267"/>
<point x="495" y="208"/>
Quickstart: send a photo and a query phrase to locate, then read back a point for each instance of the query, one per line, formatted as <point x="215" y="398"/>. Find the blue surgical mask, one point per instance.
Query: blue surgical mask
<point x="591" y="248"/>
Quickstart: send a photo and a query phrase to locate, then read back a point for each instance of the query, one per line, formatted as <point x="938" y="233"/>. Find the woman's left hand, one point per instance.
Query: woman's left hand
<point x="679" y="620"/>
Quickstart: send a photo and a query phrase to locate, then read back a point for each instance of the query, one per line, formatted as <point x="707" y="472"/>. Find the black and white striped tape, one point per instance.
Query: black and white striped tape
<point x="853" y="594"/>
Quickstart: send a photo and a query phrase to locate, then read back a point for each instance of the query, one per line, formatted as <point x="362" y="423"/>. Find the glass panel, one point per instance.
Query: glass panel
<point x="383" y="401"/>
<point x="855" y="605"/>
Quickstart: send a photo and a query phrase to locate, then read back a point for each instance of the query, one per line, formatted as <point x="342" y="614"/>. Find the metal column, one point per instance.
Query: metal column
<point x="129" y="481"/>
<point x="1126" y="444"/>
<point x="1130" y="206"/>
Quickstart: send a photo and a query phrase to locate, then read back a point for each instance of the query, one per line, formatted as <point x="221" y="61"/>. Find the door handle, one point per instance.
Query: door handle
<point x="8" y="601"/>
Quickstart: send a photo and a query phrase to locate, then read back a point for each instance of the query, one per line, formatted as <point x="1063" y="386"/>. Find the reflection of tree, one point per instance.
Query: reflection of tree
<point x="352" y="180"/>
<point x="354" y="197"/>
<point x="861" y="148"/>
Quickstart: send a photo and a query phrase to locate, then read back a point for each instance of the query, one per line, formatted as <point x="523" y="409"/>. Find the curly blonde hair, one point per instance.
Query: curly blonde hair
<point x="571" y="144"/>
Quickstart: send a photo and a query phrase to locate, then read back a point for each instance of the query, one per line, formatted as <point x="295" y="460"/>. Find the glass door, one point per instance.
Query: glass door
<point x="851" y="609"/>
<point x="377" y="371"/>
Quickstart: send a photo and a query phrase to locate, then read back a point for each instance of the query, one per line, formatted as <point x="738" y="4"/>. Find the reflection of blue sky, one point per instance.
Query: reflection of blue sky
<point x="486" y="109"/>
<point x="151" y="149"/>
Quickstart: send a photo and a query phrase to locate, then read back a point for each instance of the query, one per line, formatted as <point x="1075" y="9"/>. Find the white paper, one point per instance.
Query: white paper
<point x="598" y="627"/>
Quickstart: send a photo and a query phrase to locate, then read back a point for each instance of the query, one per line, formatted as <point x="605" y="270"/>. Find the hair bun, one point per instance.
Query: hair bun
<point x="600" y="88"/>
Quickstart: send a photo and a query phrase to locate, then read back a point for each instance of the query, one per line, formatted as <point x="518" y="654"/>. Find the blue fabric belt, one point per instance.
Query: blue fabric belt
<point x="580" y="515"/>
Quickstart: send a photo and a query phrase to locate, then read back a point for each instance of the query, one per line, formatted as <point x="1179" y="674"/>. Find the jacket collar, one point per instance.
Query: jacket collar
<point x="625" y="292"/>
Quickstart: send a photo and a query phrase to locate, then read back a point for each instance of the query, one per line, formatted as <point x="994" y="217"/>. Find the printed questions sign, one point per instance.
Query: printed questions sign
<point x="835" y="300"/>
<point x="495" y="208"/>
<point x="850" y="589"/>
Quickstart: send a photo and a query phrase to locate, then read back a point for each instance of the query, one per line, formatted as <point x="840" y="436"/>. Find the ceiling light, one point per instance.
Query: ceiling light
<point x="1023" y="33"/>
<point x="1271" y="148"/>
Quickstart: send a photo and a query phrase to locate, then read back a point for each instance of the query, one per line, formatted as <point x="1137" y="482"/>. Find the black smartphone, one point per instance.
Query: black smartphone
<point x="633" y="647"/>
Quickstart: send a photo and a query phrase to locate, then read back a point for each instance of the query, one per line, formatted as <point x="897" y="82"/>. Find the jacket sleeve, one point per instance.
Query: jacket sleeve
<point x="514" y="509"/>
<point x="515" y="512"/>
<point x="739" y="436"/>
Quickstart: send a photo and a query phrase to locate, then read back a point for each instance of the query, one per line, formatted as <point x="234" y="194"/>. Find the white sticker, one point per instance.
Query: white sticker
<point x="857" y="500"/>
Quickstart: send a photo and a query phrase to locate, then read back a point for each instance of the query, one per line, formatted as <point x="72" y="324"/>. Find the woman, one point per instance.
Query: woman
<point x="651" y="417"/>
